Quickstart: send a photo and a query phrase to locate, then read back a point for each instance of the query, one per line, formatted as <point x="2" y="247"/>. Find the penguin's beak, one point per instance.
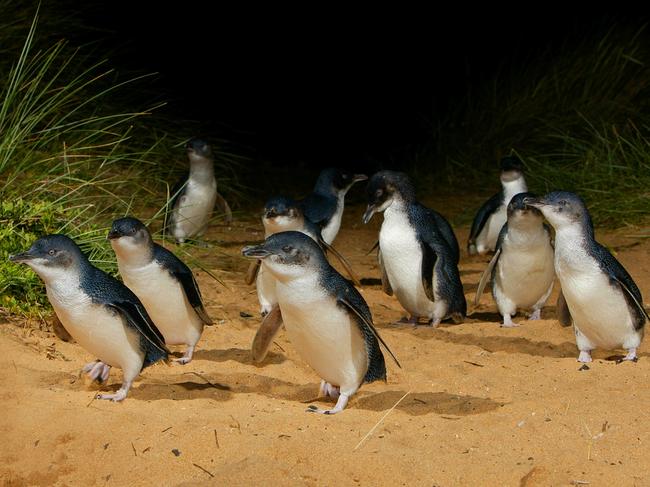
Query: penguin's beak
<point x="22" y="257"/>
<point x="369" y="212"/>
<point x="255" y="252"/>
<point x="112" y="235"/>
<point x="534" y="202"/>
<point x="359" y="177"/>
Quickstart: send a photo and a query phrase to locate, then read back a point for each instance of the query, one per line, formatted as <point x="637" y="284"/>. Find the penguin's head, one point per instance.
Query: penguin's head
<point x="383" y="188"/>
<point x="51" y="257"/>
<point x="129" y="236"/>
<point x="287" y="254"/>
<point x="337" y="180"/>
<point x="198" y="149"/>
<point x="511" y="168"/>
<point x="561" y="209"/>
<point x="281" y="214"/>
<point x="518" y="208"/>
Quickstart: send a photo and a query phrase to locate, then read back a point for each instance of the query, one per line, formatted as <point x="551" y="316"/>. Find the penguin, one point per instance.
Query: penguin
<point x="604" y="302"/>
<point x="326" y="318"/>
<point x="100" y="313"/>
<point x="195" y="194"/>
<point x="163" y="283"/>
<point x="418" y="252"/>
<point x="324" y="205"/>
<point x="281" y="214"/>
<point x="492" y="215"/>
<point x="521" y="270"/>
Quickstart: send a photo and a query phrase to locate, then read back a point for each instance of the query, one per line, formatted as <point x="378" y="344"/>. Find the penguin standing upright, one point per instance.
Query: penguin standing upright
<point x="493" y="214"/>
<point x="164" y="284"/>
<point x="324" y="205"/>
<point x="416" y="254"/>
<point x="100" y="313"/>
<point x="195" y="194"/>
<point x="521" y="270"/>
<point x="280" y="214"/>
<point x="327" y="320"/>
<point x="604" y="302"/>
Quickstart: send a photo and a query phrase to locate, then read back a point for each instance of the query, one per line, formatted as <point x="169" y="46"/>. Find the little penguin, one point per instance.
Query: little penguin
<point x="324" y="205"/>
<point x="521" y="270"/>
<point x="281" y="214"/>
<point x="492" y="215"/>
<point x="326" y="318"/>
<point x="195" y="194"/>
<point x="162" y="282"/>
<point x="418" y="251"/>
<point x="604" y="302"/>
<point x="100" y="313"/>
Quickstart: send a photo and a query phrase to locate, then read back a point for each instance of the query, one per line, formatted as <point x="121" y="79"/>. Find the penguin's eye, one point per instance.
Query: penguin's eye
<point x="379" y="192"/>
<point x="287" y="248"/>
<point x="51" y="251"/>
<point x="133" y="230"/>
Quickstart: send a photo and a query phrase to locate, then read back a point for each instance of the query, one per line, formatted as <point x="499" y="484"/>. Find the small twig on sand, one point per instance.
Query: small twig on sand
<point x="166" y="429"/>
<point x="134" y="451"/>
<point x="216" y="440"/>
<point x="278" y="345"/>
<point x="91" y="401"/>
<point x="379" y="422"/>
<point x="199" y="466"/>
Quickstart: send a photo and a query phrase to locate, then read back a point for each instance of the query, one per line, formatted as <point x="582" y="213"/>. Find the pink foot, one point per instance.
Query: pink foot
<point x="585" y="356"/>
<point x="507" y="322"/>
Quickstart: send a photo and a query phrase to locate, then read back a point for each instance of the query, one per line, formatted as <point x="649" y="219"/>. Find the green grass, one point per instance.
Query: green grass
<point x="72" y="158"/>
<point x="577" y="114"/>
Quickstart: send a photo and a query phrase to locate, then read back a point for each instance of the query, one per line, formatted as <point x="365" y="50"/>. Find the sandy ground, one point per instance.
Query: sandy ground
<point x="480" y="405"/>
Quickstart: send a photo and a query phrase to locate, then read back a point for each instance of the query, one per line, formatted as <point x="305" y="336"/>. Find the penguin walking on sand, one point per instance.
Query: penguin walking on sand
<point x="195" y="194"/>
<point x="100" y="313"/>
<point x="162" y="282"/>
<point x="521" y="270"/>
<point x="604" y="303"/>
<point x="281" y="214"/>
<point x="417" y="255"/>
<point x="326" y="318"/>
<point x="324" y="205"/>
<point x="492" y="215"/>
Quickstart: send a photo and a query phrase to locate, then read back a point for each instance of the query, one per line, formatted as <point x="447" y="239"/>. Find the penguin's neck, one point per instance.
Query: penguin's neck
<point x="133" y="256"/>
<point x="397" y="208"/>
<point x="511" y="188"/>
<point x="571" y="253"/>
<point x="201" y="169"/>
<point x="526" y="231"/>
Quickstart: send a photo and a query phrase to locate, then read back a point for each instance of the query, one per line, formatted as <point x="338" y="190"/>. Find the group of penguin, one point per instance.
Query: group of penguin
<point x="129" y="324"/>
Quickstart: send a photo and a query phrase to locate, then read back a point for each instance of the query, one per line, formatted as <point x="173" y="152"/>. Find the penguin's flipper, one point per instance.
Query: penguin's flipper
<point x="429" y="258"/>
<point x="265" y="334"/>
<point x="252" y="272"/>
<point x="618" y="274"/>
<point x="137" y="317"/>
<point x="224" y="208"/>
<point x="562" y="310"/>
<point x="342" y="260"/>
<point x="184" y="275"/>
<point x="489" y="207"/>
<point x="385" y="283"/>
<point x="176" y="193"/>
<point x="318" y="208"/>
<point x="486" y="276"/>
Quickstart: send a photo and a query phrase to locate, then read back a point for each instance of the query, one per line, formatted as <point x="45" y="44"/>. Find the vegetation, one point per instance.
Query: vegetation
<point x="71" y="158"/>
<point x="577" y="114"/>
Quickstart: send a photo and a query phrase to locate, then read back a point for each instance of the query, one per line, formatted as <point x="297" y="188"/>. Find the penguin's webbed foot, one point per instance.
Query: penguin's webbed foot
<point x="187" y="356"/>
<point x="507" y="322"/>
<point x="536" y="315"/>
<point x="630" y="357"/>
<point x="585" y="356"/>
<point x="413" y="320"/>
<point x="120" y="395"/>
<point x="340" y="406"/>
<point x="97" y="371"/>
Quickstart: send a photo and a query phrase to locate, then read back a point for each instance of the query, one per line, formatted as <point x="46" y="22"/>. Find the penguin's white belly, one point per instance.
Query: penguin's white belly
<point x="164" y="299"/>
<point x="194" y="209"/>
<point x="265" y="285"/>
<point x="599" y="310"/>
<point x="487" y="238"/>
<point x="323" y="333"/>
<point x="331" y="230"/>
<point x="525" y="275"/>
<point x="98" y="329"/>
<point x="402" y="259"/>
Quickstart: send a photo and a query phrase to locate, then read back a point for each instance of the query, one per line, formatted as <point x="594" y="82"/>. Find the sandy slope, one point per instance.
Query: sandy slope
<point x="483" y="405"/>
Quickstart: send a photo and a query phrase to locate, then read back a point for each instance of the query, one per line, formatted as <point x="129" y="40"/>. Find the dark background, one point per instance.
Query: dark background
<point x="329" y="87"/>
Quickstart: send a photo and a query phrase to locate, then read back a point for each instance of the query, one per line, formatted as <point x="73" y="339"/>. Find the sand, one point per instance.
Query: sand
<point x="476" y="404"/>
